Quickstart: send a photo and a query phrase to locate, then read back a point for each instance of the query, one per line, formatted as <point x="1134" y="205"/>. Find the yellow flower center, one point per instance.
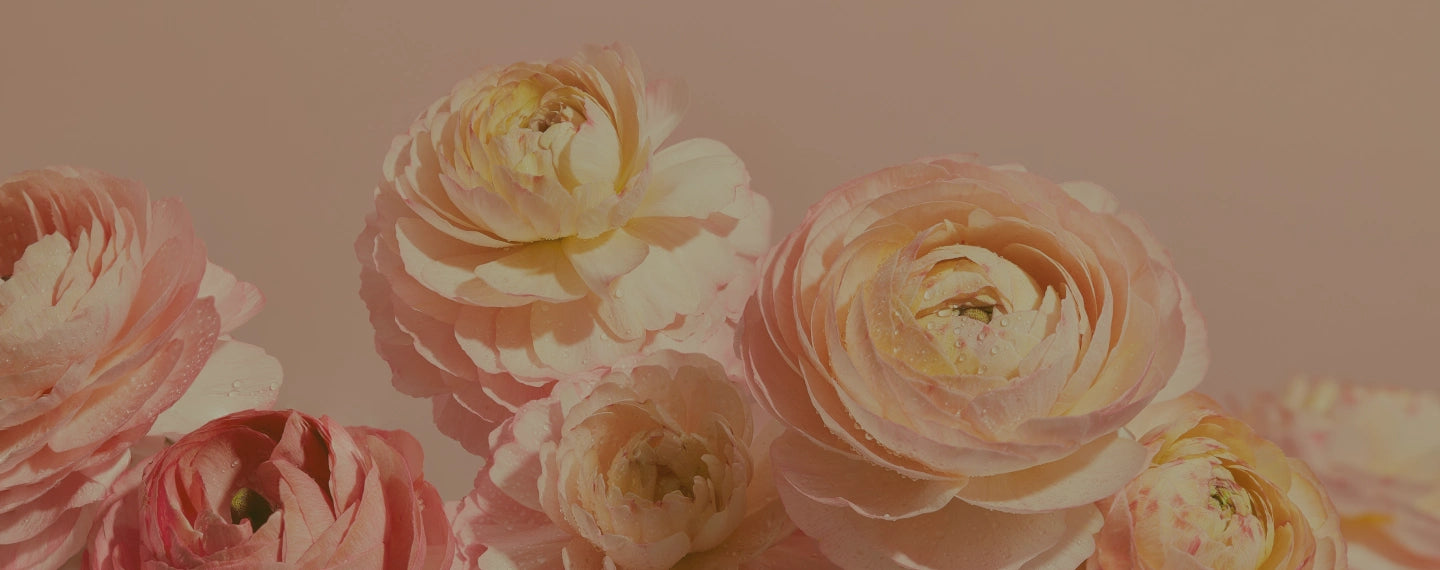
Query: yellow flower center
<point x="982" y="322"/>
<point x="660" y="462"/>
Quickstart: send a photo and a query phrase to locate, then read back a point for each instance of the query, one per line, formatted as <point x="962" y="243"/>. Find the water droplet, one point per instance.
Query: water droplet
<point x="959" y="343"/>
<point x="234" y="393"/>
<point x="1004" y="321"/>
<point x="274" y="385"/>
<point x="960" y="357"/>
<point x="943" y="313"/>
<point x="981" y="370"/>
<point x="994" y="349"/>
<point x="934" y="326"/>
<point x="235" y="384"/>
<point x="619" y="294"/>
<point x="235" y="463"/>
<point x="984" y="332"/>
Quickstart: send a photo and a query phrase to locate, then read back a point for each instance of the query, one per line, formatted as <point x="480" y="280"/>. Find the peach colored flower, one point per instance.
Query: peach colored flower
<point x="656" y="467"/>
<point x="530" y="227"/>
<point x="1216" y="495"/>
<point x="276" y="490"/>
<point x="965" y="344"/>
<point x="112" y="325"/>
<point x="1377" y="450"/>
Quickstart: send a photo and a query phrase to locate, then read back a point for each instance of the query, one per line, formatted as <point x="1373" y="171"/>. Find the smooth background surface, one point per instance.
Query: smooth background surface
<point x="1286" y="154"/>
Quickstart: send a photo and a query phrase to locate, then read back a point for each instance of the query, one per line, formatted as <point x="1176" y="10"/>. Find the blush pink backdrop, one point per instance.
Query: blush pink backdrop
<point x="1286" y="155"/>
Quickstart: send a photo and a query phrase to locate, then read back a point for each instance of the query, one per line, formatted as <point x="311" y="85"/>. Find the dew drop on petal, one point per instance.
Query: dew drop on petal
<point x="1004" y="321"/>
<point x="994" y="349"/>
<point x="235" y="384"/>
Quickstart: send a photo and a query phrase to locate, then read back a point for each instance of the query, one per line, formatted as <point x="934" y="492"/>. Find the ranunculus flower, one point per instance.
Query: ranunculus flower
<point x="276" y="490"/>
<point x="964" y="344"/>
<point x="112" y="325"/>
<point x="657" y="467"/>
<point x="1377" y="450"/>
<point x="1216" y="495"/>
<point x="530" y="227"/>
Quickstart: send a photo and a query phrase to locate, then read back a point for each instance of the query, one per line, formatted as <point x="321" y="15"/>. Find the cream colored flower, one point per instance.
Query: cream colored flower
<point x="964" y="343"/>
<point x="1377" y="449"/>
<point x="1216" y="496"/>
<point x="531" y="227"/>
<point x="657" y="467"/>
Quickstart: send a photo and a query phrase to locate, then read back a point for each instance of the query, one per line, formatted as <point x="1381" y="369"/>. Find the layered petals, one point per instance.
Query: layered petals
<point x="113" y="325"/>
<point x="1216" y="495"/>
<point x="656" y="466"/>
<point x="275" y="490"/>
<point x="969" y="334"/>
<point x="1377" y="451"/>
<point x="532" y="218"/>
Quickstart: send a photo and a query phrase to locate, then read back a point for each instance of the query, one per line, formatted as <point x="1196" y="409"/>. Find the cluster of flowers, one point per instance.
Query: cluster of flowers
<point x="946" y="365"/>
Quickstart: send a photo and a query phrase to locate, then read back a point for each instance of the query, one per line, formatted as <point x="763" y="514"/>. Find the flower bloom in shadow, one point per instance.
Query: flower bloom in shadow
<point x="965" y="344"/>
<point x="531" y="227"/>
<point x="1216" y="495"/>
<point x="1377" y="450"/>
<point x="275" y="489"/>
<point x="113" y="325"/>
<point x="657" y="467"/>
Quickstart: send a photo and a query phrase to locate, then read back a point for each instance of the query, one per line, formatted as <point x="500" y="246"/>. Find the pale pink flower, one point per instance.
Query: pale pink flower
<point x="277" y="490"/>
<point x="661" y="466"/>
<point x="1214" y="495"/>
<point x="1377" y="450"/>
<point x="530" y="227"/>
<point x="112" y="325"/>
<point x="964" y="344"/>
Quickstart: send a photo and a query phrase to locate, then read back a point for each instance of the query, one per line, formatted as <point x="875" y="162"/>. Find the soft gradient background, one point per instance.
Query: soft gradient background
<point x="1286" y="154"/>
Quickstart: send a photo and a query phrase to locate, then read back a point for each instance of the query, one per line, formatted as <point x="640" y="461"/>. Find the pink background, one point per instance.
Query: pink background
<point x="1286" y="155"/>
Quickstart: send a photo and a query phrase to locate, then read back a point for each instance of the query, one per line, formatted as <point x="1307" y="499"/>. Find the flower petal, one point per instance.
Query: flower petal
<point x="1095" y="471"/>
<point x="979" y="537"/>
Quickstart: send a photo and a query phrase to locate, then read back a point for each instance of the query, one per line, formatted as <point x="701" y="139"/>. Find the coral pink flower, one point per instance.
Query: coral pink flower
<point x="657" y="467"/>
<point x="1377" y="450"/>
<point x="275" y="489"/>
<point x="1216" y="495"/>
<point x="530" y="227"/>
<point x="112" y="325"/>
<point x="964" y="343"/>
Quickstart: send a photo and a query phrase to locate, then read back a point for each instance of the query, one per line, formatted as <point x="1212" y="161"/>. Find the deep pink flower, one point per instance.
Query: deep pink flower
<point x="963" y="343"/>
<point x="112" y="326"/>
<point x="277" y="490"/>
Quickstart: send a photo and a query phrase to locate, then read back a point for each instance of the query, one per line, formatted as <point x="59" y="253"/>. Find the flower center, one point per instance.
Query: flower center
<point x="1198" y="505"/>
<point x="246" y="504"/>
<point x="554" y="112"/>
<point x="660" y="463"/>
